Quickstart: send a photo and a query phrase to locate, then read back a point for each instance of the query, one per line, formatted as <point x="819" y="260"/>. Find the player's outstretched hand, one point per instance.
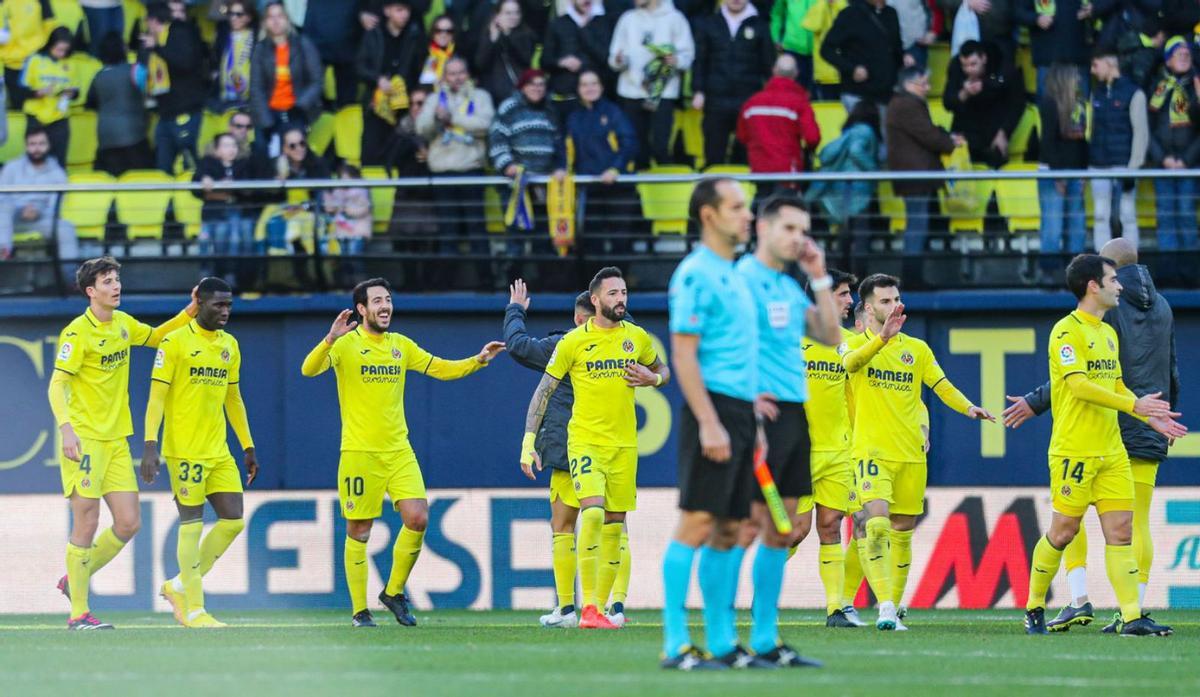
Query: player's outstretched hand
<point x="812" y="259"/>
<point x="149" y="462"/>
<point x="638" y="375"/>
<point x="714" y="442"/>
<point x="518" y="293"/>
<point x="1168" y="426"/>
<point x="1017" y="413"/>
<point x="341" y="326"/>
<point x="895" y="322"/>
<point x="72" y="448"/>
<point x="529" y="460"/>
<point x="766" y="406"/>
<point x="490" y="351"/>
<point x="1152" y="405"/>
<point x="981" y="414"/>
<point x="251" y="466"/>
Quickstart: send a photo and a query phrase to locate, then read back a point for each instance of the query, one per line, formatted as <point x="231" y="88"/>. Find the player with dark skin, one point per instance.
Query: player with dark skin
<point x="213" y="314"/>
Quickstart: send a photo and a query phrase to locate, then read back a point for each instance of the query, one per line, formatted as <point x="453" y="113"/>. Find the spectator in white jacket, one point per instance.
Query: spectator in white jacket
<point x="651" y="48"/>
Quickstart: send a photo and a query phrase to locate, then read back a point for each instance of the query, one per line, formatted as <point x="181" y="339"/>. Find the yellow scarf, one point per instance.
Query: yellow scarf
<point x="436" y="63"/>
<point x="560" y="209"/>
<point x="388" y="107"/>
<point x="158" y="78"/>
<point x="1172" y="89"/>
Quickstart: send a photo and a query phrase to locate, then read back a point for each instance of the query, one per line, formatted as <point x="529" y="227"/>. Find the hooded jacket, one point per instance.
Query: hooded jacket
<point x="1145" y="329"/>
<point x="776" y="126"/>
<point x="998" y="107"/>
<point x="662" y="25"/>
<point x="868" y="36"/>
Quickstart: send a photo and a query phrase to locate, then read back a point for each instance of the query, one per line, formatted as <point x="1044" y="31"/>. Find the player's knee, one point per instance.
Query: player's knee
<point x="904" y="523"/>
<point x="127" y="528"/>
<point x="800" y="529"/>
<point x="1061" y="534"/>
<point x="417" y="521"/>
<point x="829" y="531"/>
<point x="359" y="530"/>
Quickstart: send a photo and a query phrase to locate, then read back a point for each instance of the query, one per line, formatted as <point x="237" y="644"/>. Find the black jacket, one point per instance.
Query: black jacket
<point x="185" y="55"/>
<point x="863" y="35"/>
<point x="731" y="68"/>
<point x="997" y="108"/>
<point x="411" y="48"/>
<point x="551" y="443"/>
<point x="334" y="28"/>
<point x="1066" y="41"/>
<point x="211" y="167"/>
<point x="1146" y="330"/>
<point x="1055" y="149"/>
<point x="588" y="43"/>
<point x="499" y="63"/>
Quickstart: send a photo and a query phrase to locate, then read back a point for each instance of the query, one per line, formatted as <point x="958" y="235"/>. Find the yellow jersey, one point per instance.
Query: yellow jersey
<point x="371" y="372"/>
<point x="42" y="72"/>
<point x="96" y="356"/>
<point x="827" y="407"/>
<point x="888" y="411"/>
<point x="595" y="358"/>
<point x="199" y="366"/>
<point x="1082" y="343"/>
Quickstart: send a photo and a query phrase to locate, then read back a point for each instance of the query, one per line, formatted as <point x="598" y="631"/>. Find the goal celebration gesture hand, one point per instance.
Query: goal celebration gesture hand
<point x="341" y="327"/>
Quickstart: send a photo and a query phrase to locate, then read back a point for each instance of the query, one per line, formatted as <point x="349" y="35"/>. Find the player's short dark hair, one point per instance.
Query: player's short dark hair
<point x="211" y="285"/>
<point x="1085" y="268"/>
<point x="359" y="294"/>
<point x="90" y="270"/>
<point x="705" y="194"/>
<point x="839" y="277"/>
<point x="583" y="302"/>
<point x="866" y="289"/>
<point x="601" y="275"/>
<point x="773" y="204"/>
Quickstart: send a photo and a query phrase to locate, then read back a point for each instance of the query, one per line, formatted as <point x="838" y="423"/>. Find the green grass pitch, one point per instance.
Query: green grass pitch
<point x="497" y="654"/>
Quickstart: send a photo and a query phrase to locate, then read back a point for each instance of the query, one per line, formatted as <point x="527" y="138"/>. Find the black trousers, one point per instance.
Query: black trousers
<point x="719" y="125"/>
<point x="653" y="129"/>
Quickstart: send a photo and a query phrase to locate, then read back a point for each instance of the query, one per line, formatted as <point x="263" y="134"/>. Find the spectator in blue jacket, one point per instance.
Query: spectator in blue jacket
<point x="605" y="145"/>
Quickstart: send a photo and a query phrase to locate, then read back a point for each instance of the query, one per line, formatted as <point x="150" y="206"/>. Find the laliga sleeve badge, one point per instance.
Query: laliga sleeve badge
<point x="1066" y="355"/>
<point x="64" y="353"/>
<point x="159" y="359"/>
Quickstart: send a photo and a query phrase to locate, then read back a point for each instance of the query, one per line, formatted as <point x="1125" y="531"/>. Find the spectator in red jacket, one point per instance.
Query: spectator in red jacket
<point x="777" y="124"/>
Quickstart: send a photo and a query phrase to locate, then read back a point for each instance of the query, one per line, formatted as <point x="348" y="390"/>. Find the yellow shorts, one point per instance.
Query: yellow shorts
<point x="1144" y="471"/>
<point x="1076" y="482"/>
<point x="562" y="488"/>
<point x="363" y="479"/>
<point x="901" y="484"/>
<point x="104" y="466"/>
<point x="831" y="479"/>
<point x="193" y="481"/>
<point x="607" y="471"/>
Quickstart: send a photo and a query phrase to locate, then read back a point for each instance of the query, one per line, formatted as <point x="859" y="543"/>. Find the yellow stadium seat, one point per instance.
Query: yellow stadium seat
<point x="666" y="205"/>
<point x="939" y="114"/>
<point x="187" y="207"/>
<point x="830" y="118"/>
<point x="320" y="133"/>
<point x="1030" y="123"/>
<point x="81" y="148"/>
<point x="14" y="147"/>
<point x="1028" y="72"/>
<point x="347" y="136"/>
<point x="383" y="199"/>
<point x="938" y="64"/>
<point x="687" y="125"/>
<point x="82" y="68"/>
<point x="88" y="210"/>
<point x="892" y="207"/>
<point x="972" y="221"/>
<point x="493" y="210"/>
<point x="748" y="188"/>
<point x="1147" y="208"/>
<point x="144" y="212"/>
<point x="211" y="125"/>
<point x="1017" y="199"/>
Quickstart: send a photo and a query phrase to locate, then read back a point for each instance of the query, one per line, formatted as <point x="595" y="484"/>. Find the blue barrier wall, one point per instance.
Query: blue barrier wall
<point x="467" y="433"/>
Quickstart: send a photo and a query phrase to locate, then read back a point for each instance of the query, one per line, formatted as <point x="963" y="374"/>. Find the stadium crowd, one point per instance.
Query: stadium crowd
<point x="233" y="90"/>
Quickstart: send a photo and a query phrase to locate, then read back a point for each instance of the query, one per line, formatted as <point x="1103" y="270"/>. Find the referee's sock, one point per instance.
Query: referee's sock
<point x="716" y="576"/>
<point x="768" y="583"/>
<point x="737" y="554"/>
<point x="677" y="576"/>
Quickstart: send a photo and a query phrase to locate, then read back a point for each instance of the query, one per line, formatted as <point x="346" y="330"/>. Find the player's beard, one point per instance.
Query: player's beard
<point x="376" y="327"/>
<point x="616" y="313"/>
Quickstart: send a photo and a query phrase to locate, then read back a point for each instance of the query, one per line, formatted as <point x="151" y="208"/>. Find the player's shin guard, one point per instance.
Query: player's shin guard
<point x="877" y="561"/>
<point x="1123" y="575"/>
<point x="564" y="567"/>
<point x="769" y="563"/>
<point x="1143" y="545"/>
<point x="901" y="552"/>
<point x="831" y="560"/>
<point x="620" y="588"/>
<point x="217" y="541"/>
<point x="716" y="575"/>
<point x="104" y="549"/>
<point x="1046" y="560"/>
<point x="852" y="573"/>
<point x="591" y="523"/>
<point x="78" y="576"/>
<point x="187" y="552"/>
<point x="404" y="557"/>
<point x="354" y="557"/>
<point x="677" y="577"/>
<point x="609" y="562"/>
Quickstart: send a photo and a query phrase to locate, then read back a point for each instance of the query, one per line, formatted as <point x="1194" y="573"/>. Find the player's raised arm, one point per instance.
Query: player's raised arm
<point x="421" y="360"/>
<point x="533" y="422"/>
<point x="317" y="361"/>
<point x="821" y="319"/>
<point x="524" y="349"/>
<point x="858" y="359"/>
<point x="154" y="336"/>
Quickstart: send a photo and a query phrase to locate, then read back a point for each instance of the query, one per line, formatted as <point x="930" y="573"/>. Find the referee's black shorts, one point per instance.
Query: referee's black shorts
<point x="788" y="451"/>
<point x="723" y="489"/>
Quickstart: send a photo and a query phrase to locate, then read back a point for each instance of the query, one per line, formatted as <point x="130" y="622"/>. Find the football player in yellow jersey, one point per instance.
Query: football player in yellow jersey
<point x="606" y="358"/>
<point x="89" y="396"/>
<point x="195" y="382"/>
<point x="371" y="365"/>
<point x="1088" y="462"/>
<point x="887" y="369"/>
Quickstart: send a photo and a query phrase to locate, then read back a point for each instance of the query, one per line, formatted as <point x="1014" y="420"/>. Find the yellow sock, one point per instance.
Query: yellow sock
<point x="404" y="557"/>
<point x="1123" y="575"/>
<point x="620" y="589"/>
<point x="609" y="562"/>
<point x="563" y="549"/>
<point x="591" y="520"/>
<point x="106" y="546"/>
<point x="1075" y="553"/>
<point x="832" y="559"/>
<point x="187" y="551"/>
<point x="354" y="557"/>
<point x="217" y="541"/>
<point x="877" y="560"/>
<point x="852" y="572"/>
<point x="1143" y="545"/>
<point x="1046" y="559"/>
<point x="901" y="541"/>
<point x="78" y="576"/>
